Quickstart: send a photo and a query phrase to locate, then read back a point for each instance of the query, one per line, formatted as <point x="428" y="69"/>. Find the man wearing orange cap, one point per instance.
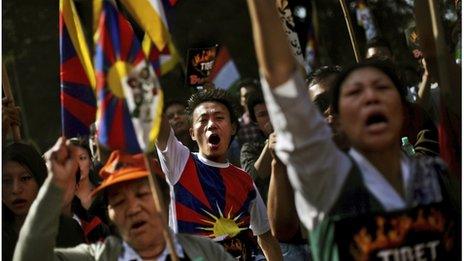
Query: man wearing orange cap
<point x="130" y="207"/>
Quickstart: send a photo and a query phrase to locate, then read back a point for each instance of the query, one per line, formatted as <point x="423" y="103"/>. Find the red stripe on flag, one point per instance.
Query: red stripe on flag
<point x="72" y="71"/>
<point x="82" y="111"/>
<point x="108" y="46"/>
<point x="116" y="135"/>
<point x="126" y="37"/>
<point x="222" y="58"/>
<point x="139" y="57"/>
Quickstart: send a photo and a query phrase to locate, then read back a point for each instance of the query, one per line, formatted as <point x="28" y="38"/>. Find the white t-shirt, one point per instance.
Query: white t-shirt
<point x="173" y="161"/>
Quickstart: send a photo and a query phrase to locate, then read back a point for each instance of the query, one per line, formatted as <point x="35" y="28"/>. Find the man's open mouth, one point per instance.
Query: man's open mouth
<point x="214" y="139"/>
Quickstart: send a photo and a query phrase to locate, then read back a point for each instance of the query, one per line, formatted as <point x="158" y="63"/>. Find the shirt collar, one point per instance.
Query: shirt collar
<point x="212" y="163"/>
<point x="378" y="185"/>
<point x="128" y="253"/>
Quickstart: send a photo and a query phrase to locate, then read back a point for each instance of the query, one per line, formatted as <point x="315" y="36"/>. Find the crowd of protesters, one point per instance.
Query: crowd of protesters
<point x="314" y="149"/>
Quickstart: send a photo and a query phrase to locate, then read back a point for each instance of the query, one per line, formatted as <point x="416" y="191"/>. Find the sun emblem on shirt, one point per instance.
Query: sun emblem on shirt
<point x="223" y="226"/>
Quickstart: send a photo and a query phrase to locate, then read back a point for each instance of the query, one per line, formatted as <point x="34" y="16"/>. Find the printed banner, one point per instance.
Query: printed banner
<point x="289" y="27"/>
<point x="422" y="233"/>
<point x="200" y="63"/>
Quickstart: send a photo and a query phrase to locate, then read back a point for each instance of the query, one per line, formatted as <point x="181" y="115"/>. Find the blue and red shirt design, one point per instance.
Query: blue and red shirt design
<point x="207" y="196"/>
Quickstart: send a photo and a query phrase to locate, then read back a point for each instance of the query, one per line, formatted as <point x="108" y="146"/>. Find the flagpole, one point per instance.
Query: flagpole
<point x="9" y="96"/>
<point x="444" y="60"/>
<point x="349" y="25"/>
<point x="159" y="205"/>
<point x="443" y="69"/>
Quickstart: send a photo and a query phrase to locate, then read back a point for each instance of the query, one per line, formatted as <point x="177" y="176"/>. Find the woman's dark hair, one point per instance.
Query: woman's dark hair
<point x="322" y="73"/>
<point x="174" y="102"/>
<point x="250" y="82"/>
<point x="83" y="142"/>
<point x="384" y="66"/>
<point x="254" y="99"/>
<point x="378" y="42"/>
<point x="27" y="156"/>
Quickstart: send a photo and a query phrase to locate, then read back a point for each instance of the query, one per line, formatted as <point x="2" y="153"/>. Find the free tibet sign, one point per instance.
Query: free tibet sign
<point x="422" y="233"/>
<point x="200" y="63"/>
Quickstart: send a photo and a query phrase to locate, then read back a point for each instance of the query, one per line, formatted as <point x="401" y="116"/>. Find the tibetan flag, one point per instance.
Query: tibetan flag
<point x="77" y="77"/>
<point x="157" y="43"/>
<point x="224" y="73"/>
<point x="128" y="92"/>
<point x="163" y="60"/>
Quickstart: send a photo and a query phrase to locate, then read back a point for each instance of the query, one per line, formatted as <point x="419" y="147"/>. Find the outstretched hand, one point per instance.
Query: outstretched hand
<point x="60" y="163"/>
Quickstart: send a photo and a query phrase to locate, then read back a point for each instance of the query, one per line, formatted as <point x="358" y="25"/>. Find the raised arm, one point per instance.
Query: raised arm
<point x="316" y="168"/>
<point x="275" y="59"/>
<point x="424" y="99"/>
<point x="38" y="234"/>
<point x="281" y="204"/>
<point x="163" y="135"/>
<point x="172" y="154"/>
<point x="270" y="246"/>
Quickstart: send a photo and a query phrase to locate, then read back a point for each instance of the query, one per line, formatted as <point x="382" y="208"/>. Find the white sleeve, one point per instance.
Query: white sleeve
<point x="259" y="222"/>
<point x="316" y="168"/>
<point x="173" y="158"/>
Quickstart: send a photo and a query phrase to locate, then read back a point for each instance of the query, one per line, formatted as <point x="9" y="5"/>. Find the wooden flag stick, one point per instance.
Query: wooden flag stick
<point x="445" y="62"/>
<point x="9" y="96"/>
<point x="159" y="205"/>
<point x="436" y="52"/>
<point x="354" y="43"/>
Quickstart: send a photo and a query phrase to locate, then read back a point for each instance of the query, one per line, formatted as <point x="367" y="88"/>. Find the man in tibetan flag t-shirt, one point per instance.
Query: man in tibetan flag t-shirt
<point x="212" y="197"/>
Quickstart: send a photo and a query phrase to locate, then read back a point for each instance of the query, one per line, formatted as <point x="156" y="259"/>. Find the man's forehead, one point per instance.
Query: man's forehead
<point x="210" y="107"/>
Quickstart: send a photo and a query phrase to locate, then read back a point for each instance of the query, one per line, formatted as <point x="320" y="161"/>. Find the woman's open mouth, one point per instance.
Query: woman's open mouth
<point x="138" y="227"/>
<point x="376" y="122"/>
<point x="19" y="203"/>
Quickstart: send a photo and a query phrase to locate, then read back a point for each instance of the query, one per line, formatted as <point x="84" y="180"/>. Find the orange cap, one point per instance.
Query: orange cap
<point x="122" y="167"/>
